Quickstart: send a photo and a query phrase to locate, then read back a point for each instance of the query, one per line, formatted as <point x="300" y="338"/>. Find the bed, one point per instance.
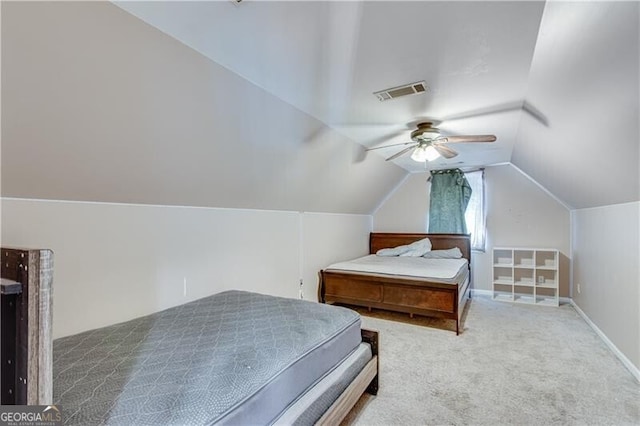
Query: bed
<point x="428" y="296"/>
<point x="232" y="358"/>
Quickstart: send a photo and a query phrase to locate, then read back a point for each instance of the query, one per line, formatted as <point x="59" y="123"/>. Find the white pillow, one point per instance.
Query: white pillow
<point x="413" y="253"/>
<point x="415" y="249"/>
<point x="396" y="251"/>
<point x="452" y="253"/>
<point x="418" y="248"/>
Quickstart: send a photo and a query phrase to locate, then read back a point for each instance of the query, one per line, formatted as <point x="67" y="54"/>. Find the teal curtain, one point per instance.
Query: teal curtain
<point x="450" y="193"/>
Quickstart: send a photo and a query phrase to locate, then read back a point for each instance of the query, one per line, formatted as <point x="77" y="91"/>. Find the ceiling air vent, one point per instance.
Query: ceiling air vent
<point x="397" y="92"/>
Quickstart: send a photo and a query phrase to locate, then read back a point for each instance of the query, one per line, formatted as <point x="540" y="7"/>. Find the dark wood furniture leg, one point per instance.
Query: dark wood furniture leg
<point x="32" y="342"/>
<point x="371" y="337"/>
<point x="12" y="391"/>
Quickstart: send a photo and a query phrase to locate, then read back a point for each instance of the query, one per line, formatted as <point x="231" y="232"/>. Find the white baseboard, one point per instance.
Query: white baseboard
<point x="479" y="292"/>
<point x="625" y="361"/>
<point x="566" y="301"/>
<point x="635" y="371"/>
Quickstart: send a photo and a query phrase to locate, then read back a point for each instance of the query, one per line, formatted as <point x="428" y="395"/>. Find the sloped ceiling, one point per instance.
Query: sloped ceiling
<point x="118" y="111"/>
<point x="327" y="58"/>
<point x="584" y="79"/>
<point x="98" y="106"/>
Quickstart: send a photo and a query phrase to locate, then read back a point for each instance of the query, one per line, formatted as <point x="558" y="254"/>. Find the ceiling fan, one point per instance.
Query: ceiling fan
<point x="427" y="143"/>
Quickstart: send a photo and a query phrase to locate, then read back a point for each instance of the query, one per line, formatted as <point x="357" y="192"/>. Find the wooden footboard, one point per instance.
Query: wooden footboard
<point x="393" y="294"/>
<point x="412" y="296"/>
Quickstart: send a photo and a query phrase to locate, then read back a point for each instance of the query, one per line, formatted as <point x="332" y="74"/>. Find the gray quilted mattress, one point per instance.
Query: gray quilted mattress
<point x="231" y="358"/>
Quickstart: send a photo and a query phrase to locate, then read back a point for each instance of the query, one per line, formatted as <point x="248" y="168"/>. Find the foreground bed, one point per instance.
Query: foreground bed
<point x="428" y="296"/>
<point x="231" y="358"/>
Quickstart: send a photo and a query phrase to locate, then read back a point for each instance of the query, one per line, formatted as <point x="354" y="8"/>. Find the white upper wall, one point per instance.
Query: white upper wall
<point x="406" y="209"/>
<point x="521" y="214"/>
<point x="99" y="106"/>
<point x="584" y="79"/>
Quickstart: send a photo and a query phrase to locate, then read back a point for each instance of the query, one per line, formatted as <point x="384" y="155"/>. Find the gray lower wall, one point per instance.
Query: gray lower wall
<point x="606" y="253"/>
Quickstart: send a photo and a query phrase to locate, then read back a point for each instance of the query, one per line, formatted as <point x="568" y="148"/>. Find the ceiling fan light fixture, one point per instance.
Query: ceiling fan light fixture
<point x="424" y="153"/>
<point x="429" y="145"/>
<point x="425" y="132"/>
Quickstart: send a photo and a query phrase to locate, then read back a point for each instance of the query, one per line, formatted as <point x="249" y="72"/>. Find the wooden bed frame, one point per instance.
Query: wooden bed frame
<point x="365" y="381"/>
<point x="412" y="296"/>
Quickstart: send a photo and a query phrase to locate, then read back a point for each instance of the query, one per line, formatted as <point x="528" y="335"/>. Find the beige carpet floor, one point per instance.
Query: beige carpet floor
<point x="513" y="364"/>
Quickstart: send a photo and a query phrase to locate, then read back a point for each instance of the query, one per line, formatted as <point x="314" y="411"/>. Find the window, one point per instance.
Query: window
<point x="475" y="215"/>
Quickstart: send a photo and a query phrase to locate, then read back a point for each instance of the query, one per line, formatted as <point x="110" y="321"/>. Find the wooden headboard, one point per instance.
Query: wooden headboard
<point x="380" y="240"/>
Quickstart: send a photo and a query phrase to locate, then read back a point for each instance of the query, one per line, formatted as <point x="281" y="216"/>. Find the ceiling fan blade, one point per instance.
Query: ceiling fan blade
<point x="395" y="144"/>
<point x="466" y="138"/>
<point x="445" y="151"/>
<point x="398" y="154"/>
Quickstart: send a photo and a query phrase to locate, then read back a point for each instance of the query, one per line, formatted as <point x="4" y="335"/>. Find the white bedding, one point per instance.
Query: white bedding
<point x="408" y="266"/>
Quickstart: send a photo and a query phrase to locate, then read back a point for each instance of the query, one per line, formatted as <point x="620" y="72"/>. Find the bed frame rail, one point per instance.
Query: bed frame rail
<point x="366" y="381"/>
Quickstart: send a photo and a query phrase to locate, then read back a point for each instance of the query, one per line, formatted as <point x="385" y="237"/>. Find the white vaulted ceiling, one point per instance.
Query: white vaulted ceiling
<point x="327" y="59"/>
<point x="541" y="76"/>
<point x="585" y="77"/>
<point x="98" y="106"/>
<point x="270" y="104"/>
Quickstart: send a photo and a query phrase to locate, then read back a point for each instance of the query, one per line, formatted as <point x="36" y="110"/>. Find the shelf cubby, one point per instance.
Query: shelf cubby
<point x="503" y="292"/>
<point x="503" y="258"/>
<point x="523" y="293"/>
<point x="526" y="275"/>
<point x="523" y="277"/>
<point x="547" y="259"/>
<point x="503" y="275"/>
<point x="523" y="259"/>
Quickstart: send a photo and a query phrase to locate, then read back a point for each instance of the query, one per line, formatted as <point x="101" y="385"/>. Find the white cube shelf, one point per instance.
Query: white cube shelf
<point x="526" y="275"/>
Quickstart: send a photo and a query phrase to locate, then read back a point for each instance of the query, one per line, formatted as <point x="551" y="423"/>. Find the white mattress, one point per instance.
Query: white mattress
<point x="443" y="269"/>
